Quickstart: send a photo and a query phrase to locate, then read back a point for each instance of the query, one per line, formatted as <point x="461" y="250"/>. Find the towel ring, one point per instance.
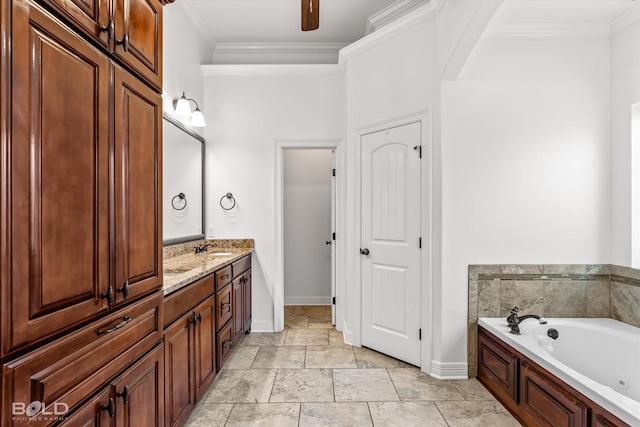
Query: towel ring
<point x="180" y="196"/>
<point x="230" y="197"/>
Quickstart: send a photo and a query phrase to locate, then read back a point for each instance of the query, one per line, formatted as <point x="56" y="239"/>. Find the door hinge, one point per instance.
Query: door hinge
<point x="420" y="242"/>
<point x="334" y="236"/>
<point x="420" y="334"/>
<point x="419" y="149"/>
<point x="333" y="172"/>
<point x="334" y="301"/>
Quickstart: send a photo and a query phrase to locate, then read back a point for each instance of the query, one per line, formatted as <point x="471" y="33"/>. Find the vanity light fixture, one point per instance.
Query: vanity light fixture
<point x="183" y="108"/>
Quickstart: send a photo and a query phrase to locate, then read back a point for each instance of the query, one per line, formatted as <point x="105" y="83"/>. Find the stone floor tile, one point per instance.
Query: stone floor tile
<point x="271" y="339"/>
<point x="476" y="414"/>
<point x="413" y="385"/>
<point x="392" y="414"/>
<point x="241" y="358"/>
<point x="240" y="386"/>
<point x="288" y="309"/>
<point x="279" y="357"/>
<point x="311" y="310"/>
<point x="340" y="414"/>
<point x="336" y="338"/>
<point x="209" y="415"/>
<point x="367" y="358"/>
<point x="303" y="385"/>
<point x="264" y="415"/>
<point x="363" y="385"/>
<point x="296" y="322"/>
<point x="321" y="323"/>
<point x="330" y="357"/>
<point x="471" y="389"/>
<point x="307" y="337"/>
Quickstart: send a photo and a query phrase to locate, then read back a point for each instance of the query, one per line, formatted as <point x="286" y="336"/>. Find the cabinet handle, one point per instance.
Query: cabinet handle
<point x="124" y="395"/>
<point x="125" y="320"/>
<point x="226" y="276"/>
<point x="124" y="42"/>
<point x="110" y="407"/>
<point x="109" y="29"/>
<point x="108" y="295"/>
<point x="199" y="317"/>
<point x="194" y="320"/>
<point x="227" y="343"/>
<point x="226" y="305"/>
<point x="124" y="290"/>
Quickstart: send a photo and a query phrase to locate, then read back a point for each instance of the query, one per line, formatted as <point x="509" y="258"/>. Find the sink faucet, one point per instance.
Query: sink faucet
<point x="202" y="248"/>
<point x="514" y="321"/>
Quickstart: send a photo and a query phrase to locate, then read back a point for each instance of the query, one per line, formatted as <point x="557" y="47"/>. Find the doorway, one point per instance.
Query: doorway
<point x="307" y="226"/>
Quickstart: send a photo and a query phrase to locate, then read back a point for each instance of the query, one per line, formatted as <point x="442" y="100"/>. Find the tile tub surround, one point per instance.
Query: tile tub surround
<point x="550" y="290"/>
<point x="182" y="266"/>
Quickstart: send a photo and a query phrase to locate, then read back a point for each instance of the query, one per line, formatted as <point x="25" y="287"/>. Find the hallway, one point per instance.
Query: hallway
<point x="307" y="376"/>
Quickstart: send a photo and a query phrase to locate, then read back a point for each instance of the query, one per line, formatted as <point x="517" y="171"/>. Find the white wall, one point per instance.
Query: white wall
<point x="625" y="91"/>
<point x="184" y="51"/>
<point x="246" y="115"/>
<point x="525" y="161"/>
<point x="307" y="226"/>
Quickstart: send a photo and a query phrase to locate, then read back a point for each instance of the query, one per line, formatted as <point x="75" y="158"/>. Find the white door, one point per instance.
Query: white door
<point x="391" y="241"/>
<point x="332" y="240"/>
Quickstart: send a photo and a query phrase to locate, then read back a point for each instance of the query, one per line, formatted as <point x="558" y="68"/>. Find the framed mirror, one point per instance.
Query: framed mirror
<point x="182" y="182"/>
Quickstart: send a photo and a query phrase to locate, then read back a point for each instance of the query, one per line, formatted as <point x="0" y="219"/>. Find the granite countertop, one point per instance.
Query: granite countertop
<point x="183" y="269"/>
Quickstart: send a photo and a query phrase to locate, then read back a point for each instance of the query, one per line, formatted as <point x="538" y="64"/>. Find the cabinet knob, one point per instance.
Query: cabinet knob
<point x="124" y="289"/>
<point x="124" y="394"/>
<point x="110" y="407"/>
<point x="108" y="295"/>
<point x="124" y="42"/>
<point x="199" y="317"/>
<point x="109" y="29"/>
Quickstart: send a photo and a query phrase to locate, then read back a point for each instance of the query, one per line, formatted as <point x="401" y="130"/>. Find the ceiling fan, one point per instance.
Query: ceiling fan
<point x="310" y="15"/>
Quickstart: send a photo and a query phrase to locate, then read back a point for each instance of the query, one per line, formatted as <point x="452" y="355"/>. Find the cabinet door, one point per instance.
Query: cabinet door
<point x="237" y="304"/>
<point x="92" y="17"/>
<point x="138" y="254"/>
<point x="138" y="37"/>
<point x="224" y="309"/>
<point x="97" y="412"/>
<point x="246" y="297"/>
<point x="224" y="344"/>
<point x="179" y="370"/>
<point x="205" y="346"/>
<point x="59" y="182"/>
<point x="139" y="392"/>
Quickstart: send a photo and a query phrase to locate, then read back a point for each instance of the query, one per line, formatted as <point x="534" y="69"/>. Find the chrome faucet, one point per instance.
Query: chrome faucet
<point x="514" y="321"/>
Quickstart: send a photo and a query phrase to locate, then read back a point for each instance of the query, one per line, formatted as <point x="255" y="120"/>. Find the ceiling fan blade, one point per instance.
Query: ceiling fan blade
<point x="310" y="14"/>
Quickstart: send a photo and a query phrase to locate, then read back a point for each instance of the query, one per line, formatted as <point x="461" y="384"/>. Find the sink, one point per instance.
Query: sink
<point x="221" y="253"/>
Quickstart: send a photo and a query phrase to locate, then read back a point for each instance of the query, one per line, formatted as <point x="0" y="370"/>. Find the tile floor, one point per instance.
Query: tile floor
<point x="306" y="376"/>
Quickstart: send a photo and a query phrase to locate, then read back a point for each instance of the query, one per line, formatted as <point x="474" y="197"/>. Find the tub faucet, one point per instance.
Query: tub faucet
<point x="514" y="321"/>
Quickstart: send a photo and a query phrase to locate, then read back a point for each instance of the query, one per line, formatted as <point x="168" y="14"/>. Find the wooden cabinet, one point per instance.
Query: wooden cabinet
<point x="224" y="306"/>
<point x="224" y="343"/>
<point x="530" y="393"/>
<point x="133" y="399"/>
<point x="60" y="218"/>
<point x="138" y="124"/>
<point x="130" y="30"/>
<point x="190" y="359"/>
<point x="237" y="304"/>
<point x="246" y="298"/>
<point x="59" y="182"/>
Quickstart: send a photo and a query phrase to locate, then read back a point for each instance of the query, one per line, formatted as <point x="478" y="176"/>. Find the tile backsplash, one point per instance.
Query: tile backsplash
<point x="553" y="290"/>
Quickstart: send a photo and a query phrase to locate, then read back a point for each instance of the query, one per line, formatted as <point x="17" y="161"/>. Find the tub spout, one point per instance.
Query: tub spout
<point x="514" y="320"/>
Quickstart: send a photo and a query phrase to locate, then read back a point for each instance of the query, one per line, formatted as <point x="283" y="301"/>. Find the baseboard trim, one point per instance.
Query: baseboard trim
<point x="449" y="371"/>
<point x="307" y="300"/>
<point x="262" y="326"/>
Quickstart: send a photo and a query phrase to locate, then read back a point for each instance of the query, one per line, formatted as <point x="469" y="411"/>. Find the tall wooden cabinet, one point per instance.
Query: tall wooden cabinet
<point x="80" y="213"/>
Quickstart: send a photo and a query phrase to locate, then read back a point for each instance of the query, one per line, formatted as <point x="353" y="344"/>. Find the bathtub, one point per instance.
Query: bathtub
<point x="598" y="357"/>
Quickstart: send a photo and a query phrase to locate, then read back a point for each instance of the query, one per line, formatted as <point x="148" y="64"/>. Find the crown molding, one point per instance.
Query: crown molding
<point x="277" y="53"/>
<point x="391" y="13"/>
<point x="400" y="25"/>
<point x="628" y="18"/>
<point x="548" y="30"/>
<point x="271" y="70"/>
<point x="196" y="19"/>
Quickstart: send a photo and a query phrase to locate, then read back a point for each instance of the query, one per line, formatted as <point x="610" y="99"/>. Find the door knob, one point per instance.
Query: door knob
<point x="364" y="251"/>
<point x="328" y="242"/>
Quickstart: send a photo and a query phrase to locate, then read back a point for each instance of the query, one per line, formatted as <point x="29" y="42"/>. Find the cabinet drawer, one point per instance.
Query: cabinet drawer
<point x="497" y="366"/>
<point x="74" y="367"/>
<point x="183" y="300"/>
<point x="223" y="277"/>
<point x="241" y="266"/>
<point x="546" y="404"/>
<point x="224" y="344"/>
<point x="224" y="309"/>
